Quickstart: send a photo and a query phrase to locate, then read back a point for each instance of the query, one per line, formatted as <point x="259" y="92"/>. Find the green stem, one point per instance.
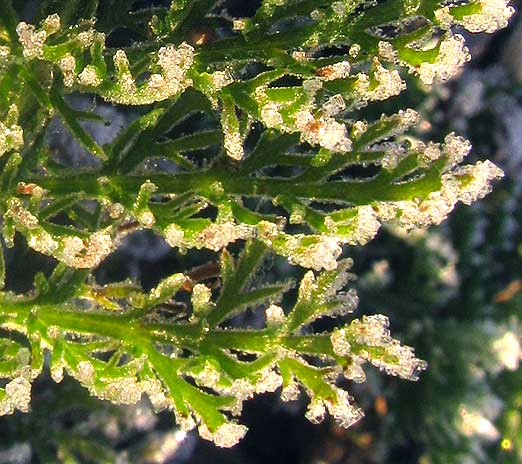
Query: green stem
<point x="352" y="192"/>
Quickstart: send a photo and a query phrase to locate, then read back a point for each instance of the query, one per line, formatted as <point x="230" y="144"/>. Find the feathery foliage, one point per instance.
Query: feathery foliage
<point x="256" y="129"/>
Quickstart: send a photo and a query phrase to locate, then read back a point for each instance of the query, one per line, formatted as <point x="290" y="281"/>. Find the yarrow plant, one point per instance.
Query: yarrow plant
<point x="252" y="130"/>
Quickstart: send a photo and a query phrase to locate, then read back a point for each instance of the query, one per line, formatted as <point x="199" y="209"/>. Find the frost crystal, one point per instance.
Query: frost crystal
<point x="452" y="55"/>
<point x="334" y="71"/>
<point x="218" y="235"/>
<point x="17" y="396"/>
<point x="343" y="411"/>
<point x="174" y="63"/>
<point x="233" y="143"/>
<point x="86" y="253"/>
<point x="32" y="41"/>
<point x="316" y="411"/>
<point x="355" y="372"/>
<point x="201" y="295"/>
<point x="270" y="115"/>
<point x="226" y="436"/>
<point x="21" y="215"/>
<point x="475" y="423"/>
<point x="366" y="225"/>
<point x="220" y="79"/>
<point x="340" y="343"/>
<point x="389" y="83"/>
<point x="480" y="176"/>
<point x="386" y="51"/>
<point x="122" y="391"/>
<point x="322" y="254"/>
<point x="290" y="392"/>
<point x="334" y="105"/>
<point x="275" y="316"/>
<point x="354" y="50"/>
<point x="89" y="77"/>
<point x="493" y="15"/>
<point x="11" y="138"/>
<point x="269" y="381"/>
<point x="68" y="65"/>
<point x="455" y="148"/>
<point x="174" y="235"/>
<point x="325" y="131"/>
<point x="508" y="350"/>
<point x="373" y="331"/>
<point x="85" y="372"/>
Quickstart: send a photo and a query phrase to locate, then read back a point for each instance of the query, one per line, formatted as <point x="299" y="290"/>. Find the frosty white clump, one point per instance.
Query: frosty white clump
<point x="218" y="235"/>
<point x="275" y="316"/>
<point x="453" y="54"/>
<point x="363" y="228"/>
<point x="323" y="131"/>
<point x="32" y="40"/>
<point x="201" y="295"/>
<point x="340" y="343"/>
<point x="86" y="253"/>
<point x="465" y="184"/>
<point x="493" y="15"/>
<point x="68" y="65"/>
<point x="226" y="435"/>
<point x="478" y="419"/>
<point x="344" y="413"/>
<point x="174" y="63"/>
<point x="290" y="392"/>
<point x="322" y="253"/>
<point x="372" y="331"/>
<point x="89" y="77"/>
<point x="386" y="51"/>
<point x="340" y="70"/>
<point x="232" y="142"/>
<point x="389" y="83"/>
<point x="340" y="408"/>
<point x="122" y="391"/>
<point x="17" y="396"/>
<point x="174" y="235"/>
<point x="11" y="137"/>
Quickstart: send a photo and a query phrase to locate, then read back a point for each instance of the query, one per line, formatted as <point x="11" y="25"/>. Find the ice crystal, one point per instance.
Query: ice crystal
<point x="340" y="343"/>
<point x="399" y="360"/>
<point x="275" y="316"/>
<point x="343" y="411"/>
<point x="32" y="40"/>
<point x="86" y="253"/>
<point x="290" y="392"/>
<point x="331" y="72"/>
<point x="218" y="235"/>
<point x="68" y="65"/>
<point x="226" y="435"/>
<point x="453" y="54"/>
<point x="389" y="83"/>
<point x="174" y="235"/>
<point x="17" y="396"/>
<point x="316" y="411"/>
<point x="493" y="15"/>
<point x="321" y="254"/>
<point x="201" y="295"/>
<point x="324" y="131"/>
<point x="11" y="137"/>
<point x="89" y="77"/>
